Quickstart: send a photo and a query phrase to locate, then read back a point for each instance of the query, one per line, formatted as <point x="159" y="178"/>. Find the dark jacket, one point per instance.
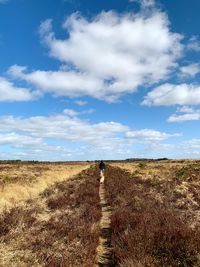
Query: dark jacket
<point x="102" y="165"/>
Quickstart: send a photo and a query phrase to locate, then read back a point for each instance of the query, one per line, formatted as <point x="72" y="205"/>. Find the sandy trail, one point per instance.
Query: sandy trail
<point x="104" y="249"/>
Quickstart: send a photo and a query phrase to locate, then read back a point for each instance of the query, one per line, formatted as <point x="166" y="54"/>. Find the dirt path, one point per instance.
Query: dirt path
<point x="104" y="249"/>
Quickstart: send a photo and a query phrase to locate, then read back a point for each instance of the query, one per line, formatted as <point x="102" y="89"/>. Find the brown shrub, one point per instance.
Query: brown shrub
<point x="147" y="232"/>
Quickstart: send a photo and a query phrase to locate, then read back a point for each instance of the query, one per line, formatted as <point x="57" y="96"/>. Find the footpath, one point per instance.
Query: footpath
<point x="104" y="249"/>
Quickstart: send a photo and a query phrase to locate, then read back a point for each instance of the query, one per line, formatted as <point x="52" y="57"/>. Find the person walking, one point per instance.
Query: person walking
<point x="102" y="168"/>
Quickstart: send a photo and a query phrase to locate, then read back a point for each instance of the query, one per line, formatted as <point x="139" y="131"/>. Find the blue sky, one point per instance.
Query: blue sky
<point x="104" y="79"/>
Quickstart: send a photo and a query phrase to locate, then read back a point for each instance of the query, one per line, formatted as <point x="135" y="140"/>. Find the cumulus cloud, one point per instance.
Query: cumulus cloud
<point x="107" y="56"/>
<point x="190" y="70"/>
<point x="10" y="93"/>
<point x="62" y="83"/>
<point x="189" y="114"/>
<point x="173" y="94"/>
<point x="149" y="135"/>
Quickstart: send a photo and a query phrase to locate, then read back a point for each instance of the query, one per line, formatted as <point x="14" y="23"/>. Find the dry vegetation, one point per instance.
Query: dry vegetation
<point x="52" y="218"/>
<point x="155" y="217"/>
<point x="20" y="182"/>
<point x="59" y="228"/>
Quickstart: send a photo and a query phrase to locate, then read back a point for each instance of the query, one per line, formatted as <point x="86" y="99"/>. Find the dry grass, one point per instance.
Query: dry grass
<point x="60" y="228"/>
<point x="21" y="182"/>
<point x="178" y="182"/>
<point x="150" y="226"/>
<point x="53" y="220"/>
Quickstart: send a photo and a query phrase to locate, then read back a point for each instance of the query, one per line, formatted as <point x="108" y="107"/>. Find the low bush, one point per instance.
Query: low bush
<point x="147" y="232"/>
<point x="142" y="165"/>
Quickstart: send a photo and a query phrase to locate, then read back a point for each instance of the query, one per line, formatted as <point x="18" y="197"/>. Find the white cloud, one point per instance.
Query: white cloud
<point x="62" y="83"/>
<point x="10" y="93"/>
<point x="190" y="114"/>
<point x="144" y="3"/>
<point x="190" y="70"/>
<point x="172" y="94"/>
<point x="107" y="56"/>
<point x="192" y="144"/>
<point x="16" y="140"/>
<point x="80" y="102"/>
<point x="185" y="109"/>
<point x="63" y="126"/>
<point x="190" y="148"/>
<point x="66" y="135"/>
<point x="185" y="117"/>
<point x="46" y="27"/>
<point x="71" y="112"/>
<point x="194" y="44"/>
<point x="79" y="139"/>
<point x="26" y="147"/>
<point x="183" y="150"/>
<point x="149" y="135"/>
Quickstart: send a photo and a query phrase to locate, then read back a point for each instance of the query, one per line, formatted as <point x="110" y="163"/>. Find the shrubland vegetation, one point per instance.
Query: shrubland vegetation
<point x="154" y="218"/>
<point x="59" y="228"/>
<point x="22" y="181"/>
<point x="52" y="217"/>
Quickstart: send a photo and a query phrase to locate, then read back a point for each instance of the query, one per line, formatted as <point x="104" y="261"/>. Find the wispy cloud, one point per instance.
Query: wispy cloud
<point x="173" y="94"/>
<point x="144" y="3"/>
<point x="80" y="102"/>
<point x="86" y="140"/>
<point x="190" y="70"/>
<point x="194" y="44"/>
<point x="149" y="135"/>
<point x="185" y="114"/>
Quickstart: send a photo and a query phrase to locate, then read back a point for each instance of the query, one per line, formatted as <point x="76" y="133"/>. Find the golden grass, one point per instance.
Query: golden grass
<point x="159" y="168"/>
<point x="60" y="227"/>
<point x="23" y="182"/>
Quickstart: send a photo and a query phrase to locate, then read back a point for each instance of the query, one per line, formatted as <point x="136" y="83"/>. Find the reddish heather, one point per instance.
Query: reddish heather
<point x="146" y="231"/>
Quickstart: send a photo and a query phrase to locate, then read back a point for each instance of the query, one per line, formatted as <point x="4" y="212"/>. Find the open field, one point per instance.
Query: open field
<point x="58" y="228"/>
<point x="55" y="220"/>
<point x="178" y="182"/>
<point x="156" y="213"/>
<point x="20" y="182"/>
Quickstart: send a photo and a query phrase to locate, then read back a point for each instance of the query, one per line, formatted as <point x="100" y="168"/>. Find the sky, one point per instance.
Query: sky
<point x="99" y="79"/>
